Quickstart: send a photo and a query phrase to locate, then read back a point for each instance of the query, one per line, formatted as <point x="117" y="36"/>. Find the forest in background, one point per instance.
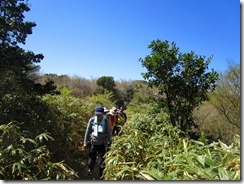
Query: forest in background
<point x="218" y="118"/>
<point x="183" y="120"/>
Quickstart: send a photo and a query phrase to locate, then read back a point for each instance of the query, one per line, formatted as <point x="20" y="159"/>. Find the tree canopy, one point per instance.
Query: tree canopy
<point x="13" y="28"/>
<point x="183" y="79"/>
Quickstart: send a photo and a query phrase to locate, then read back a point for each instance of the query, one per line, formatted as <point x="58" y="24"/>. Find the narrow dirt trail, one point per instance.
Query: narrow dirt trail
<point x="83" y="174"/>
<point x="80" y="166"/>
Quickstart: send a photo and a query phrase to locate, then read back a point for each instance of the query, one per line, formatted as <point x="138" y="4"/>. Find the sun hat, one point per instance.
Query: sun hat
<point x="112" y="110"/>
<point x="99" y="110"/>
<point x="105" y="110"/>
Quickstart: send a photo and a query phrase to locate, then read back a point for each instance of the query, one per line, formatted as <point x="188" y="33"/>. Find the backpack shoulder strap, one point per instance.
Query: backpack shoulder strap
<point x="95" y="120"/>
<point x="103" y="121"/>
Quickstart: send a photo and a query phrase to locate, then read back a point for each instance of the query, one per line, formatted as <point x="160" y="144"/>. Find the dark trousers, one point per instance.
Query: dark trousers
<point x="94" y="152"/>
<point x="116" y="130"/>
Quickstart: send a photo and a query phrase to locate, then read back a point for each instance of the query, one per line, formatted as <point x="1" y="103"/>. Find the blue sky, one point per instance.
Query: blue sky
<point x="94" y="38"/>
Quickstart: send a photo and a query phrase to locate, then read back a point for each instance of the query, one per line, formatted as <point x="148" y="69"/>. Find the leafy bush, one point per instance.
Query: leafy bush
<point x="101" y="99"/>
<point x="151" y="149"/>
<point x="70" y="116"/>
<point x="68" y="126"/>
<point x="22" y="158"/>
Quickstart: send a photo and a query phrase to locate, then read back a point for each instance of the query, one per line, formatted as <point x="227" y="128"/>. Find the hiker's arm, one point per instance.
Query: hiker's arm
<point x="87" y="134"/>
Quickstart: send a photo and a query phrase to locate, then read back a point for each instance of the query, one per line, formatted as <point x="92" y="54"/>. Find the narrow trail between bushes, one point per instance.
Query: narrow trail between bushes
<point x="80" y="166"/>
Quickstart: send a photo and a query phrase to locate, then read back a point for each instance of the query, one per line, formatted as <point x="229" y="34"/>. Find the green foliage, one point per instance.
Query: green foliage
<point x="70" y="117"/>
<point x="17" y="66"/>
<point x="151" y="149"/>
<point x="13" y="29"/>
<point x="19" y="90"/>
<point x="182" y="77"/>
<point x="65" y="92"/>
<point x="148" y="107"/>
<point x="30" y="111"/>
<point x="17" y="71"/>
<point x="128" y="152"/>
<point x="48" y="130"/>
<point x="23" y="158"/>
<point x="101" y="99"/>
<point x="107" y="83"/>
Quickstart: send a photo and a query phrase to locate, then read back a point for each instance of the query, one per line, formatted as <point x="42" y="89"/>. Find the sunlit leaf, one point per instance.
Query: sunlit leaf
<point x="223" y="175"/>
<point x="147" y="176"/>
<point x="201" y="160"/>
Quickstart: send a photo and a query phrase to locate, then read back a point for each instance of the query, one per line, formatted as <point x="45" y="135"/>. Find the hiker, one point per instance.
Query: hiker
<point x="122" y="110"/>
<point x="112" y="118"/>
<point x="105" y="113"/>
<point x="120" y="120"/>
<point x="97" y="140"/>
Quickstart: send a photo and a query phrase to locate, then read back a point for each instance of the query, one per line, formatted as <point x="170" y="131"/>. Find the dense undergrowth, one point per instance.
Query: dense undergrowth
<point x="23" y="158"/>
<point x="151" y="149"/>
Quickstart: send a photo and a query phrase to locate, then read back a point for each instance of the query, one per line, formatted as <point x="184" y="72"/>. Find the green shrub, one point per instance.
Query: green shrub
<point x="22" y="158"/>
<point x="151" y="149"/>
<point x="70" y="116"/>
<point x="101" y="99"/>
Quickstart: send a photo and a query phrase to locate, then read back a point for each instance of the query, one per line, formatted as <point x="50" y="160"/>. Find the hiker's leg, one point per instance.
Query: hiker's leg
<point x="115" y="130"/>
<point x="92" y="157"/>
<point x="101" y="164"/>
<point x="119" y="130"/>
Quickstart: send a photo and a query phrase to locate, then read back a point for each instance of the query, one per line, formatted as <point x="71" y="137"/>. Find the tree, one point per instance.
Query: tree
<point x="227" y="96"/>
<point x="107" y="83"/>
<point x="17" y="65"/>
<point x="182" y="79"/>
<point x="13" y="29"/>
<point x="125" y="91"/>
<point x="21" y="100"/>
<point x="19" y="89"/>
